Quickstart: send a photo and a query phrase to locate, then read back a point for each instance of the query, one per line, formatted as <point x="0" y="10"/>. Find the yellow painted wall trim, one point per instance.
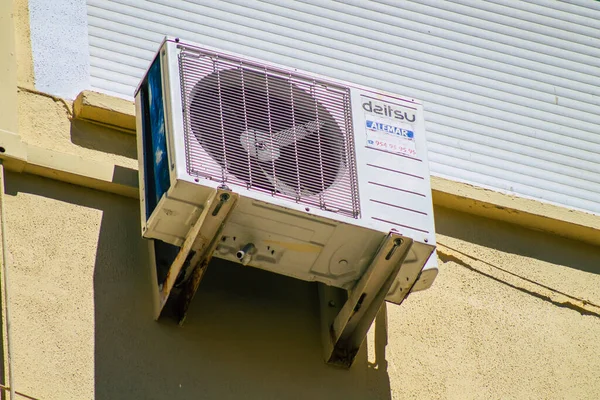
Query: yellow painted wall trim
<point x="105" y="176"/>
<point x="8" y="69"/>
<point x="106" y="110"/>
<point x="73" y="169"/>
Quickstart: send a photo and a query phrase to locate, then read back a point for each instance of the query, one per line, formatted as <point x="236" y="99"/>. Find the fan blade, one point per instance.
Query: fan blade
<point x="297" y="133"/>
<point x="269" y="177"/>
<point x="279" y="185"/>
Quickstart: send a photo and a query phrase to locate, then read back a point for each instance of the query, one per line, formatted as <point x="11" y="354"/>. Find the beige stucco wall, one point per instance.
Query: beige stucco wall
<point x="81" y="306"/>
<point x="513" y="313"/>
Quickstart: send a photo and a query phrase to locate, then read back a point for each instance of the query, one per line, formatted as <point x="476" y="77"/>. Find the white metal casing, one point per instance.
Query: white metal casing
<point x="309" y="243"/>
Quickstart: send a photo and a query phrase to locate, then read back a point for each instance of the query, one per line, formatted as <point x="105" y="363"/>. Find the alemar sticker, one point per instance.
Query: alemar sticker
<point x="376" y="126"/>
<point x="390" y="136"/>
<point x="389" y="127"/>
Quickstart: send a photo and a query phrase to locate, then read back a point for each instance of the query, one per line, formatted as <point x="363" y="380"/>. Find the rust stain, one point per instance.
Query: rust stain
<point x="204" y="256"/>
<point x="190" y="289"/>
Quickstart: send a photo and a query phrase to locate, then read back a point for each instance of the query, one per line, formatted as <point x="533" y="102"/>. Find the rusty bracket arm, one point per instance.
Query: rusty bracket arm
<point x="197" y="251"/>
<point x="347" y="316"/>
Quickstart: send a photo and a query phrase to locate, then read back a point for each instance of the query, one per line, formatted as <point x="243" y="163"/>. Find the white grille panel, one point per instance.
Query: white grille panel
<point x="268" y="129"/>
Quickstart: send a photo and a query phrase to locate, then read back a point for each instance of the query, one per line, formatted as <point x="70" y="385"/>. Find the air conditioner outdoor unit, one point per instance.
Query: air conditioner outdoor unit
<point x="286" y="171"/>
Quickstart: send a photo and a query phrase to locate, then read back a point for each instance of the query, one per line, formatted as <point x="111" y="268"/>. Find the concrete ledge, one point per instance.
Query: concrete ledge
<point x="105" y="176"/>
<point x="106" y="110"/>
<point x="79" y="171"/>
<point x="529" y="213"/>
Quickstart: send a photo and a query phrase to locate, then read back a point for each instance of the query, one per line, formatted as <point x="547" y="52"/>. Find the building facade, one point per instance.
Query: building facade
<point x="511" y="98"/>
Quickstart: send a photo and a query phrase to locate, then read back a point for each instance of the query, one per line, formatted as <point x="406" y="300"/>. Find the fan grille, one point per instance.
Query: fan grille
<point x="269" y="130"/>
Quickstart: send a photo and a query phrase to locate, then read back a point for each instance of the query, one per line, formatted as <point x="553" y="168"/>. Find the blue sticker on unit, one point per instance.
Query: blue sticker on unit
<point x="156" y="162"/>
<point x="157" y="124"/>
<point x="377" y="126"/>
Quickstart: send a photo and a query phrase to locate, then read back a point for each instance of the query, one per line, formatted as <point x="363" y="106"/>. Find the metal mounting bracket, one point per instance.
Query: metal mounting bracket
<point x="197" y="250"/>
<point x="347" y="316"/>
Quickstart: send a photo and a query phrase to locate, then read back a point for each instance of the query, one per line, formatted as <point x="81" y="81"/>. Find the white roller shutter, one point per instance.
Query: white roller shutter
<point x="511" y="88"/>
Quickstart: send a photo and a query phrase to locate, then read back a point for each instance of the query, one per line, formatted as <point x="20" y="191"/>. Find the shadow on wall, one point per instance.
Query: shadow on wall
<point x="249" y="334"/>
<point x="255" y="335"/>
<point x="96" y="137"/>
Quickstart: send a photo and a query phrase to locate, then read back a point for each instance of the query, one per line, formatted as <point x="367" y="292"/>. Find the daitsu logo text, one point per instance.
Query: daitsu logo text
<point x="388" y="111"/>
<point x="390" y="129"/>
